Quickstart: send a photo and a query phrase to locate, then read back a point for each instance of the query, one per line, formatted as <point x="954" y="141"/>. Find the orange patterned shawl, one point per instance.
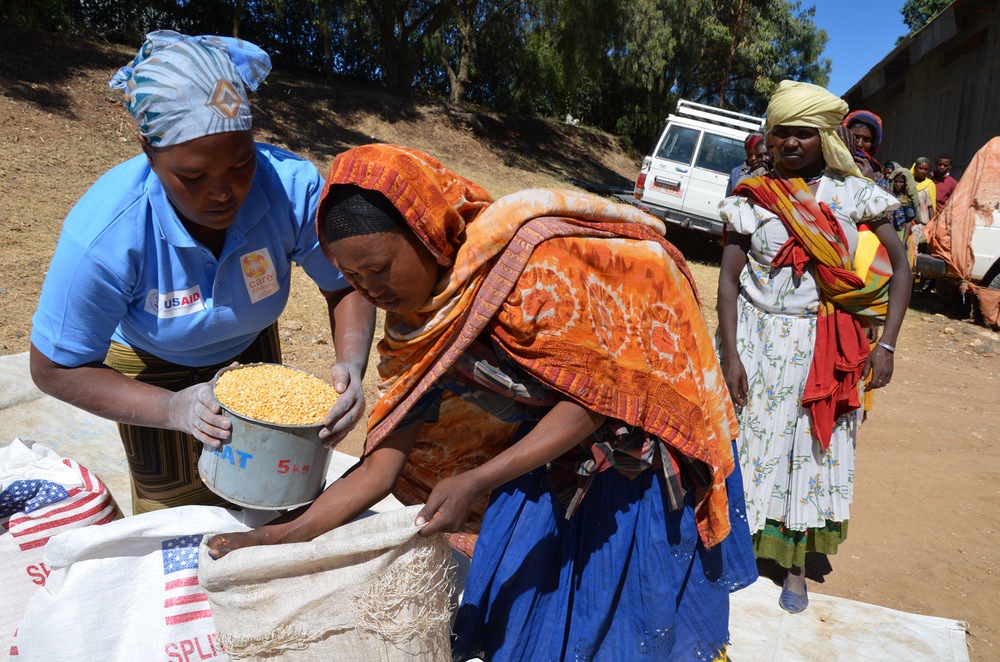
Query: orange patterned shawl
<point x="585" y="294"/>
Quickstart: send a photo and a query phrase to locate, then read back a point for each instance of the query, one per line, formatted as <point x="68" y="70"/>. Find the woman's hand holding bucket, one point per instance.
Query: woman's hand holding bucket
<point x="195" y="411"/>
<point x="350" y="405"/>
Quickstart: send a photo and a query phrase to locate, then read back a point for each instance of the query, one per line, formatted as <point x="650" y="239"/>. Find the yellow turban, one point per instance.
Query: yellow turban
<point x="805" y="104"/>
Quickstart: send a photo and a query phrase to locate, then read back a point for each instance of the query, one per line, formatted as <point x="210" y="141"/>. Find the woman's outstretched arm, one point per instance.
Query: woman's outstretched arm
<point x="103" y="391"/>
<point x="349" y="496"/>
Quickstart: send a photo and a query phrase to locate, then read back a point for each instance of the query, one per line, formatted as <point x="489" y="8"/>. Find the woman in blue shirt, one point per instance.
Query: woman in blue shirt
<point x="178" y="262"/>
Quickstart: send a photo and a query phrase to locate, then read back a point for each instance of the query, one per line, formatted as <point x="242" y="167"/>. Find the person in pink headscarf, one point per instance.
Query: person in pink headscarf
<point x="754" y="166"/>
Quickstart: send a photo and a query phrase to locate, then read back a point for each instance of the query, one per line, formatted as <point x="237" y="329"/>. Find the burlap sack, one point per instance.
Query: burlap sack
<point x="372" y="590"/>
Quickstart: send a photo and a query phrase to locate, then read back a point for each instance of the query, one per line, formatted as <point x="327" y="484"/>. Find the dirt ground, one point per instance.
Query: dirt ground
<point x="924" y="527"/>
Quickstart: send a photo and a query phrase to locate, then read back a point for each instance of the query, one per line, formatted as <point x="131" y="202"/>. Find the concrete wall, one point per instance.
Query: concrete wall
<point x="939" y="91"/>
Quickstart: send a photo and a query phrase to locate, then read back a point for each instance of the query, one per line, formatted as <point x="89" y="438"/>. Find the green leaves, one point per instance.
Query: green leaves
<point x="918" y="13"/>
<point x="620" y="65"/>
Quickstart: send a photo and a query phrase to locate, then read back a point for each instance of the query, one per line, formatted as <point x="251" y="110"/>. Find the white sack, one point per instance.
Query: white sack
<point x="371" y="590"/>
<point x="127" y="591"/>
<point x="41" y="494"/>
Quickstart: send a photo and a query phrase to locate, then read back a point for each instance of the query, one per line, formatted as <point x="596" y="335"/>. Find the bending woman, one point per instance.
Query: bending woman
<point x="795" y="301"/>
<point x="178" y="262"/>
<point x="547" y="350"/>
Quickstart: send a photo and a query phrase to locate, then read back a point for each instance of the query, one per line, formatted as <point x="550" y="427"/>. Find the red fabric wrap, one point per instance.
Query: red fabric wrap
<point x="841" y="348"/>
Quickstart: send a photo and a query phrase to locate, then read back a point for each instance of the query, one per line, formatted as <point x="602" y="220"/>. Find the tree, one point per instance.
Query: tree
<point x="759" y="43"/>
<point x="54" y="15"/>
<point x="321" y="14"/>
<point x="918" y="13"/>
<point x="618" y="64"/>
<point x="455" y="46"/>
<point x="727" y="53"/>
<point x="404" y="26"/>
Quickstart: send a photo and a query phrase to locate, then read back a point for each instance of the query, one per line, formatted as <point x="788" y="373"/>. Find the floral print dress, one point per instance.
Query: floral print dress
<point x="787" y="477"/>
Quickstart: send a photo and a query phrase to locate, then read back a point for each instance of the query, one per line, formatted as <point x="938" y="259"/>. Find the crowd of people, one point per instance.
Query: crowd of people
<point x="922" y="189"/>
<point x="548" y="379"/>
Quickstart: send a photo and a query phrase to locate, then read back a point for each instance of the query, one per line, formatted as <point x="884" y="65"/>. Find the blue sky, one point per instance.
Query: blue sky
<point x="861" y="33"/>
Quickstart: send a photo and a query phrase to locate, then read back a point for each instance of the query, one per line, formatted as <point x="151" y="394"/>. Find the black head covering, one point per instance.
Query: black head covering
<point x="352" y="211"/>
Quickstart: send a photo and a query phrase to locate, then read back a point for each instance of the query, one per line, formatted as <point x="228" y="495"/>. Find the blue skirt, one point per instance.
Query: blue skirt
<point x="624" y="579"/>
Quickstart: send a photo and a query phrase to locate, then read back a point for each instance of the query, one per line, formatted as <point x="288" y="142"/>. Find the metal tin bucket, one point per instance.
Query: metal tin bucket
<point x="265" y="465"/>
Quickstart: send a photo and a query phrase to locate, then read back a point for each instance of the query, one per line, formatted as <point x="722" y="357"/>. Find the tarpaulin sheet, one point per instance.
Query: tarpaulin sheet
<point x="949" y="234"/>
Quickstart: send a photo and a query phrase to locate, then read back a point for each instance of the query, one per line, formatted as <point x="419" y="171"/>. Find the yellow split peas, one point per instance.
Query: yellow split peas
<point x="275" y="394"/>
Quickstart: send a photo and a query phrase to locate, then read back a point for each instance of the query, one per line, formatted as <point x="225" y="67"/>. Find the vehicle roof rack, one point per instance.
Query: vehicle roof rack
<point x="719" y="116"/>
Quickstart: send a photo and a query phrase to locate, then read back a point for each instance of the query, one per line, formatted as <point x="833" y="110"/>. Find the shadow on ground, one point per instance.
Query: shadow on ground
<point x="36" y="67"/>
<point x="817" y="568"/>
<point x="310" y="113"/>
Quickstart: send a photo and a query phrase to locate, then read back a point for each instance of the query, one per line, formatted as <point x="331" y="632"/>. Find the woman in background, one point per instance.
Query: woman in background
<point x="755" y="164"/>
<point x="926" y="189"/>
<point x="908" y="218"/>
<point x="866" y="127"/>
<point x="793" y="315"/>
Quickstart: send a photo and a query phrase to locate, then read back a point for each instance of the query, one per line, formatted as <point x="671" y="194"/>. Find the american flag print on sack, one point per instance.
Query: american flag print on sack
<point x="183" y="599"/>
<point x="39" y="509"/>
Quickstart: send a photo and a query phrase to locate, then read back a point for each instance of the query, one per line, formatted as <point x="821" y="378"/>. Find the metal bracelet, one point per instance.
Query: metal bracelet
<point x="886" y="346"/>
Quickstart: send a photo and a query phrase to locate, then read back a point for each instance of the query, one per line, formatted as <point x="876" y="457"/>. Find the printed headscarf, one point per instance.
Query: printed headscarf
<point x="805" y="104"/>
<point x="180" y="88"/>
<point x="872" y="121"/>
<point x="436" y="203"/>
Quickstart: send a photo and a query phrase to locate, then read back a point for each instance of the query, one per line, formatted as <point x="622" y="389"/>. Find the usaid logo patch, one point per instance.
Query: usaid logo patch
<point x="258" y="274"/>
<point x="176" y="303"/>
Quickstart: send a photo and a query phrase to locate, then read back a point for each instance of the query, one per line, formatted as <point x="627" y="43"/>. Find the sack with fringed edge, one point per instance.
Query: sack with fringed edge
<point x="371" y="590"/>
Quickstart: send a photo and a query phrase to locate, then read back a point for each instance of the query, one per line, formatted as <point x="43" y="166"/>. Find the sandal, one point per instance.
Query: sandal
<point x="791" y="601"/>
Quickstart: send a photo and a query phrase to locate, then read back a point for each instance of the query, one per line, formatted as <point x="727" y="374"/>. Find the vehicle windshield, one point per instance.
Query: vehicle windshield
<point x="679" y="145"/>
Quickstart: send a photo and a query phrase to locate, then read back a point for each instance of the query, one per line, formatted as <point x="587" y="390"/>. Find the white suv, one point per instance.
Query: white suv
<point x="686" y="173"/>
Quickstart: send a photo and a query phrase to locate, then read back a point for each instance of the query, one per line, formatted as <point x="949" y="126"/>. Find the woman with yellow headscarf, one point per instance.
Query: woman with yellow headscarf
<point x="795" y="307"/>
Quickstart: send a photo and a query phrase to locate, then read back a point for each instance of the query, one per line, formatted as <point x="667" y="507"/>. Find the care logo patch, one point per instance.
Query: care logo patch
<point x="224" y="100"/>
<point x="176" y="303"/>
<point x="255" y="265"/>
<point x="258" y="274"/>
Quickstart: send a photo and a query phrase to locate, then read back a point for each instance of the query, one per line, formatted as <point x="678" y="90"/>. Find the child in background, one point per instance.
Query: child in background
<point x="907" y="219"/>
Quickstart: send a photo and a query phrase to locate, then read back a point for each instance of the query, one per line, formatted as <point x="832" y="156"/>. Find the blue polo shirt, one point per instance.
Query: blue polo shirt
<point x="126" y="269"/>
